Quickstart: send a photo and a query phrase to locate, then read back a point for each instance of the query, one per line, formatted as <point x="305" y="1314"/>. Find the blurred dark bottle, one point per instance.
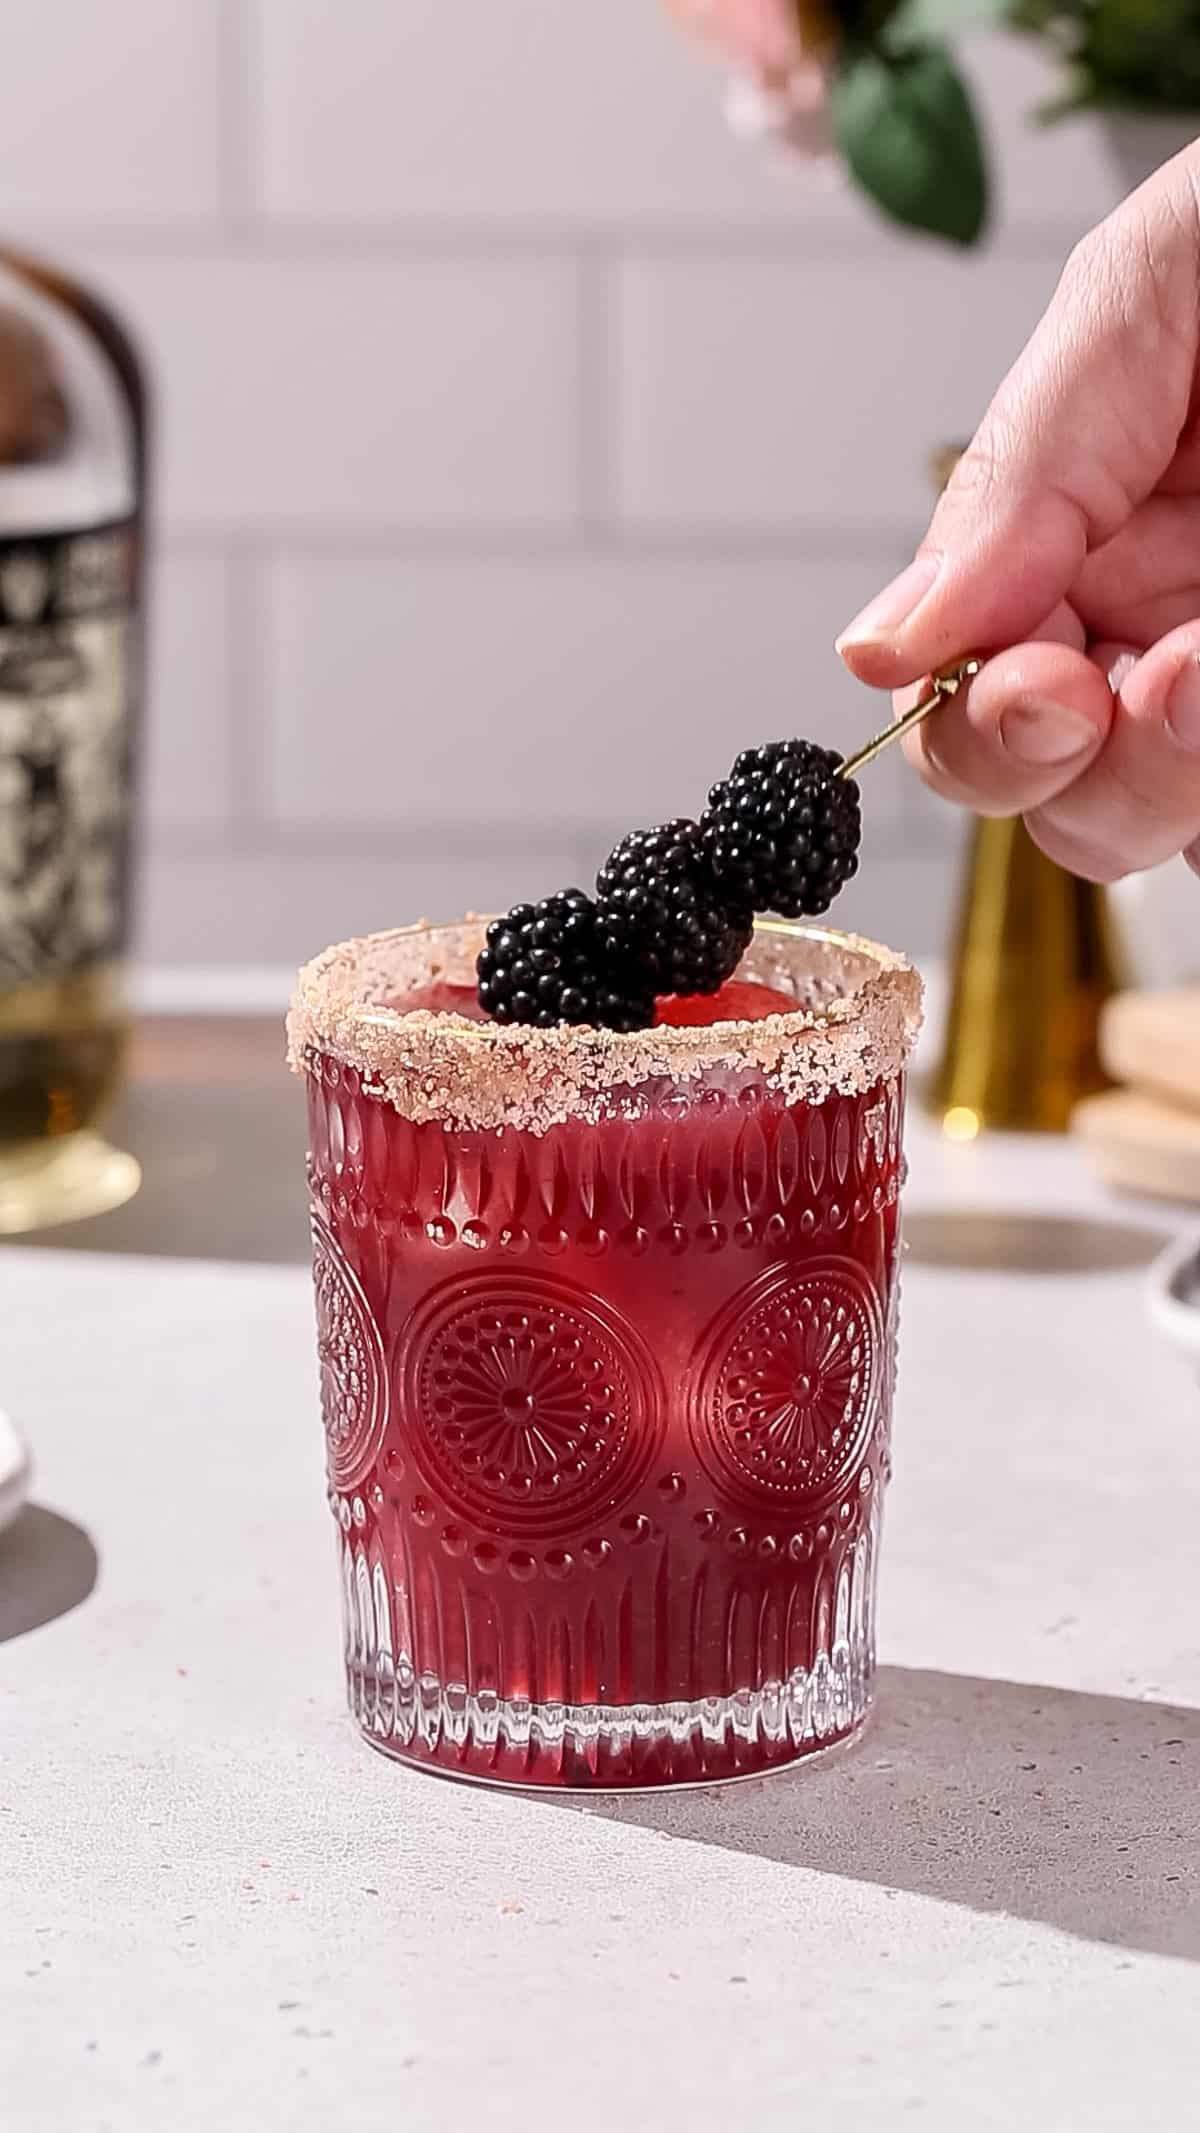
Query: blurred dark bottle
<point x="72" y="487"/>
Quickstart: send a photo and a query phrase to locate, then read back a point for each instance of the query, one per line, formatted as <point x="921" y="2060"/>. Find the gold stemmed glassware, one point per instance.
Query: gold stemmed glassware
<point x="1034" y="957"/>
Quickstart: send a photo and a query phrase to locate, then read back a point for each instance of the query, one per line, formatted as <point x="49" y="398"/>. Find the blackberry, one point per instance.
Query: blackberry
<point x="782" y="831"/>
<point x="546" y="963"/>
<point x="661" y="909"/>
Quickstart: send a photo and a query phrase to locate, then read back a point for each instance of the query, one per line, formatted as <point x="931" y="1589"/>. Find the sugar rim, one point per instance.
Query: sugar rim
<point x="855" y="1029"/>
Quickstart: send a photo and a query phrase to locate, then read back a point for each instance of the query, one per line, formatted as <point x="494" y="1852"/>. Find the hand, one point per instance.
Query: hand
<point x="1070" y="533"/>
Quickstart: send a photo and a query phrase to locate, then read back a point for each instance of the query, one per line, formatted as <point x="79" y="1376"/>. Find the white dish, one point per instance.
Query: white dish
<point x="1174" y="1290"/>
<point x="15" y="1471"/>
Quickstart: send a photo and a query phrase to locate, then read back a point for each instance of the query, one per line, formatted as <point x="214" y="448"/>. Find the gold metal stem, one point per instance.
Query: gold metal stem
<point x="942" y="687"/>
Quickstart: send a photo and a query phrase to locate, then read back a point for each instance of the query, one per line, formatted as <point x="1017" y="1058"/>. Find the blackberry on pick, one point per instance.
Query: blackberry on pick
<point x="546" y="963"/>
<point x="661" y="909"/>
<point x="782" y="831"/>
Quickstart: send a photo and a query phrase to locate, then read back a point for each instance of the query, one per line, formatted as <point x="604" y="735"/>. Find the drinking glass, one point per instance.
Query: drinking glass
<point x="607" y="1335"/>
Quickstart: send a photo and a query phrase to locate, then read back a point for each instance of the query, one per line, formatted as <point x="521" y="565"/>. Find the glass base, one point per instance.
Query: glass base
<point x="43" y="1183"/>
<point x="485" y="1739"/>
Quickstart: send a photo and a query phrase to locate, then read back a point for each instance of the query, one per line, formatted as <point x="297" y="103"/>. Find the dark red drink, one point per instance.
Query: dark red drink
<point x="606" y="1334"/>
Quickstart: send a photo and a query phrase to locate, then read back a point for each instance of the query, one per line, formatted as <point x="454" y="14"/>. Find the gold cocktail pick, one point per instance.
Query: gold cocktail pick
<point x="941" y="688"/>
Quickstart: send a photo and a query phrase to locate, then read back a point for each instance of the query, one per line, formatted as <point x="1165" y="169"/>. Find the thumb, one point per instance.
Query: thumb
<point x="1080" y="432"/>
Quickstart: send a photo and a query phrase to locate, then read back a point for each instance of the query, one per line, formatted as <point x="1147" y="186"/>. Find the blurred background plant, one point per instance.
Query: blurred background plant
<point x="883" y="77"/>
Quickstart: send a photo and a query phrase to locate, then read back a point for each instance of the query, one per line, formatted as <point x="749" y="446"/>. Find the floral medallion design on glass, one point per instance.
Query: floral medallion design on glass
<point x="788" y="1395"/>
<point x="530" y="1406"/>
<point x="354" y="1394"/>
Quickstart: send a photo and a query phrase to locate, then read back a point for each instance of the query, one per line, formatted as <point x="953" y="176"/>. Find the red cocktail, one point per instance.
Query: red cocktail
<point x="607" y="1343"/>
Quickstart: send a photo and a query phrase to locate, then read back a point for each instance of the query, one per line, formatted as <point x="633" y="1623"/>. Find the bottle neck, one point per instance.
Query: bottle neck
<point x="93" y="477"/>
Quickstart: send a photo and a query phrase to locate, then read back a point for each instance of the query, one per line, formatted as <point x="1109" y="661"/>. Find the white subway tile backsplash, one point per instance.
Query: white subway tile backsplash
<point x="359" y="393"/>
<point x="188" y="769"/>
<point x="420" y="699"/>
<point x="545" y="113"/>
<point x="522" y="438"/>
<point x="109" y="110"/>
<point x="278" y="909"/>
<point x="271" y="906"/>
<point x="784" y="393"/>
<point x="533" y="110"/>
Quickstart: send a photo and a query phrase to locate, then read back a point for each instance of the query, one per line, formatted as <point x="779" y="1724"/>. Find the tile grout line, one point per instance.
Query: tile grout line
<point x="599" y="541"/>
<point x="242" y="225"/>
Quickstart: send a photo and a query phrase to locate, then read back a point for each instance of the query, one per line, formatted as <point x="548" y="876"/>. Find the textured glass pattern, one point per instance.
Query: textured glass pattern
<point x="607" y="1414"/>
<point x="554" y="1739"/>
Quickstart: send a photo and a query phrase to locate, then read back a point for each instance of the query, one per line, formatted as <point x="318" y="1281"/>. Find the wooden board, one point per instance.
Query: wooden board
<point x="1141" y="1144"/>
<point x="1151" y="1041"/>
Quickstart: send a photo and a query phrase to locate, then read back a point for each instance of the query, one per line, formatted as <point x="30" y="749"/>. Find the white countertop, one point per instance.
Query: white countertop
<point x="220" y="1909"/>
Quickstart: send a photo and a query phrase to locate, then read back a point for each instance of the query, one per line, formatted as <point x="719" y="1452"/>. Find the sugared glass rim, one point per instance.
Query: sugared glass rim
<point x="857" y="1015"/>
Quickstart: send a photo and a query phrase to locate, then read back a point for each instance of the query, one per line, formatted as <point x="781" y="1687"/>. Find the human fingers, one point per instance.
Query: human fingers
<point x="1138" y="802"/>
<point x="1032" y="721"/>
<point x="1080" y="432"/>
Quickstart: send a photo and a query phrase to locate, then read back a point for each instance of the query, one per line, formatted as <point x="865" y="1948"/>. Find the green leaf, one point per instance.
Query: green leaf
<point x="916" y="20"/>
<point x="905" y="125"/>
<point x="1045" y="18"/>
<point x="859" y="22"/>
<point x="1146" y="51"/>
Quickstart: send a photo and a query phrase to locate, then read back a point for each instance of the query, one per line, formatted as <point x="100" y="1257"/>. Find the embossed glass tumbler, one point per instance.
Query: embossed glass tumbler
<point x="606" y="1329"/>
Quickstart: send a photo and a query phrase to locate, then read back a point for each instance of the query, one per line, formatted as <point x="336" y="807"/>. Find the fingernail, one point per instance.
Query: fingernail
<point x="1038" y="731"/>
<point x="894" y="605"/>
<point x="1183" y="705"/>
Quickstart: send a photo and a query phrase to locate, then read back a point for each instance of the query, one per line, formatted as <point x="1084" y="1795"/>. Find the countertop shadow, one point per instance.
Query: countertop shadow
<point x="1077" y="1811"/>
<point x="1004" y="1241"/>
<point x="48" y="1565"/>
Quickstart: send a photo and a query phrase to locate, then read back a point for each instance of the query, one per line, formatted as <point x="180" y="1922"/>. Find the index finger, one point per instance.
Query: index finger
<point x="1070" y="445"/>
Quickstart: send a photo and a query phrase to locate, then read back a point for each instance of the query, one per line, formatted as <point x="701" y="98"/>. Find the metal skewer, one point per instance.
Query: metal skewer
<point x="942" y="687"/>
